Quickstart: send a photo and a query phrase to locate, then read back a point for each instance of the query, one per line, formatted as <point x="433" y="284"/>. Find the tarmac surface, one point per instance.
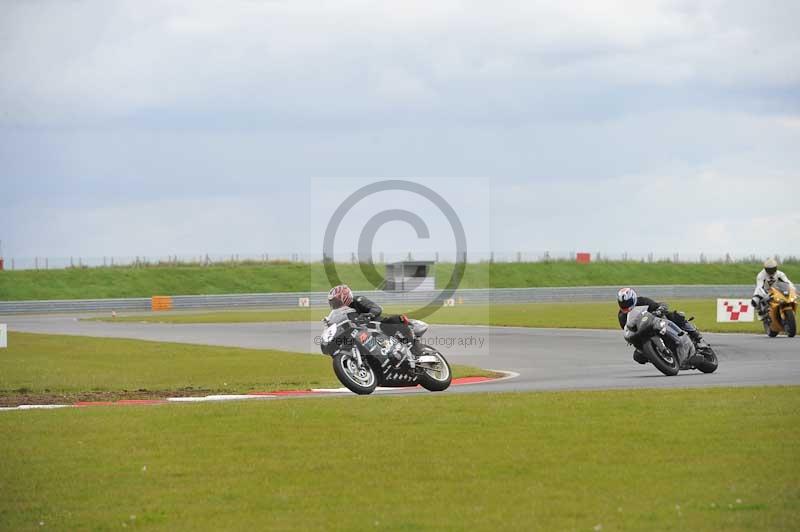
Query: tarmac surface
<point x="542" y="359"/>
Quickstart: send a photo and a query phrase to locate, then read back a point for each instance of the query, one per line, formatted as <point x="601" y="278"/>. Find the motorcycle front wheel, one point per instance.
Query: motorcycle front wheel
<point x="436" y="375"/>
<point x="662" y="357"/>
<point x="358" y="379"/>
<point x="790" y="323"/>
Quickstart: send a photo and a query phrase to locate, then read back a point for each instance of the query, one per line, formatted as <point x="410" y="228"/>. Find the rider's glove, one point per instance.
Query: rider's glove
<point x="661" y="310"/>
<point x="404" y="319"/>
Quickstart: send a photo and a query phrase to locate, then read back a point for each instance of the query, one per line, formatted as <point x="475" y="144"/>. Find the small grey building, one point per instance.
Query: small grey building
<point x="410" y="275"/>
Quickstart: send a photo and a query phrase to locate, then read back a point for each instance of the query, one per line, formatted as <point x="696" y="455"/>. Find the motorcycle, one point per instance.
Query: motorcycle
<point x="665" y="345"/>
<point x="782" y="310"/>
<point x="364" y="357"/>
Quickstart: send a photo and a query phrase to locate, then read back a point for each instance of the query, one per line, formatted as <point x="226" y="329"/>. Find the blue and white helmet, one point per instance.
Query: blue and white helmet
<point x="626" y="297"/>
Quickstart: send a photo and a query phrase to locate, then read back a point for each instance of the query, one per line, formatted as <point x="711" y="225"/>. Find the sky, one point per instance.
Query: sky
<point x="154" y="128"/>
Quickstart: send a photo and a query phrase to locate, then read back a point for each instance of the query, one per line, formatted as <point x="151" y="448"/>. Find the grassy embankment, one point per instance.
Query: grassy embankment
<point x="89" y="283"/>
<point x="706" y="459"/>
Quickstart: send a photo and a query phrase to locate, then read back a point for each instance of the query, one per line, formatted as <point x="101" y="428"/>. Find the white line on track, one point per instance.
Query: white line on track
<point x="217" y="398"/>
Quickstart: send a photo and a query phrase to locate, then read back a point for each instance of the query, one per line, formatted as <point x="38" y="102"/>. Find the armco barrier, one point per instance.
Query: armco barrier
<point x="290" y="299"/>
<point x="74" y="305"/>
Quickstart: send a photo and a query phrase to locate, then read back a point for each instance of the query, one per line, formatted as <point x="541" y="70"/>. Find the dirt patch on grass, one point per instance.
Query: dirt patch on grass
<point x="26" y="397"/>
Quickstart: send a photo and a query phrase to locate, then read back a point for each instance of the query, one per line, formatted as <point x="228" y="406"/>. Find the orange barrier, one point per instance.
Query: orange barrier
<point x="583" y="258"/>
<point x="161" y="303"/>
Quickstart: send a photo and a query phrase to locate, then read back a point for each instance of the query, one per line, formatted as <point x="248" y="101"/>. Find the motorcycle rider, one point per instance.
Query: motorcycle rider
<point x="342" y="296"/>
<point x="628" y="299"/>
<point x="764" y="281"/>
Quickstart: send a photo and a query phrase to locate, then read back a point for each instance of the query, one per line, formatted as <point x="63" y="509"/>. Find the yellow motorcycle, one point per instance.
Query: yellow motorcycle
<point x="782" y="304"/>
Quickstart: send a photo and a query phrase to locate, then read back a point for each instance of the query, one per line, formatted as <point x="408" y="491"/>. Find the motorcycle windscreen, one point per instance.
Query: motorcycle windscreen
<point x="782" y="288"/>
<point x="635" y="317"/>
<point x="339" y="315"/>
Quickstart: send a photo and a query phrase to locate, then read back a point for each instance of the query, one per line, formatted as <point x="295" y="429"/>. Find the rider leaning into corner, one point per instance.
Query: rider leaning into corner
<point x="628" y="299"/>
<point x="342" y="296"/>
<point x="764" y="281"/>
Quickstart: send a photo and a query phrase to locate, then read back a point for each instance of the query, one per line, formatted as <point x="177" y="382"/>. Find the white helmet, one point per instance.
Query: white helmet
<point x="626" y="298"/>
<point x="770" y="266"/>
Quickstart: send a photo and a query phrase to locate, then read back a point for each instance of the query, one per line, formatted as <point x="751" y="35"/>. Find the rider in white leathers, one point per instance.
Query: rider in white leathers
<point x="765" y="279"/>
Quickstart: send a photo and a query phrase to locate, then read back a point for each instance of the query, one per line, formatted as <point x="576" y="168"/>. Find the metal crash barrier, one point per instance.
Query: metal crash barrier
<point x="291" y="299"/>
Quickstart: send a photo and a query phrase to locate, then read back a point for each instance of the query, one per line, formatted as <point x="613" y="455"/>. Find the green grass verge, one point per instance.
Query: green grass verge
<point x="221" y="316"/>
<point x="518" y="275"/>
<point x="592" y="315"/>
<point x="53" y="368"/>
<point x="704" y="459"/>
<point x="87" y="283"/>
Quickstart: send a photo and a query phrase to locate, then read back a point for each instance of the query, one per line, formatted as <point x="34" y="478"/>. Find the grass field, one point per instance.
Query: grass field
<point x="38" y="368"/>
<point x="592" y="315"/>
<point x="87" y="283"/>
<point x="703" y="459"/>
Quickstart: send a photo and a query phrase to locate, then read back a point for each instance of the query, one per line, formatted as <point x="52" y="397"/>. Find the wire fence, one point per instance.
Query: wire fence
<point x="220" y="259"/>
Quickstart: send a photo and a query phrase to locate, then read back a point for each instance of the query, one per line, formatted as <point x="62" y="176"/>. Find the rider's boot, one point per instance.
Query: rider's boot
<point x="762" y="309"/>
<point x="697" y="338"/>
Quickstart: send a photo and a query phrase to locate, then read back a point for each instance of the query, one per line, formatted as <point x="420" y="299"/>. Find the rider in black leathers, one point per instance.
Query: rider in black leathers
<point x="628" y="299"/>
<point x="394" y="325"/>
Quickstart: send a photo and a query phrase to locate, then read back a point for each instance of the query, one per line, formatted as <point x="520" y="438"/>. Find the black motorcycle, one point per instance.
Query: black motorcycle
<point x="364" y="357"/>
<point x="665" y="345"/>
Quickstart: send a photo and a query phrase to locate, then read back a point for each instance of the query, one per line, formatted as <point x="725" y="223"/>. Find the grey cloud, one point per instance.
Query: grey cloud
<point x="123" y="105"/>
<point x="296" y="58"/>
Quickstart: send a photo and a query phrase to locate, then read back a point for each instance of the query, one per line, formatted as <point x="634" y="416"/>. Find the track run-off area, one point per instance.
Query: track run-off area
<point x="540" y="359"/>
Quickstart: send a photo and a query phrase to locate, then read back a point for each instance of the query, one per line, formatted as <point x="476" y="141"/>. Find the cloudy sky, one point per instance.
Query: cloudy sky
<point x="139" y="128"/>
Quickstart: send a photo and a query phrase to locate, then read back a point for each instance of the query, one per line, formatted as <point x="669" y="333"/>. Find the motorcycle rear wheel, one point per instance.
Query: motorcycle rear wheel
<point x="790" y="323"/>
<point x="666" y="362"/>
<point x="438" y="376"/>
<point x="710" y="364"/>
<point x="360" y="380"/>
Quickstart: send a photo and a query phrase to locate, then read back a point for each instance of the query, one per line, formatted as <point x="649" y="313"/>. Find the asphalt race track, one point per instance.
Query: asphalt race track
<point x="544" y="359"/>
